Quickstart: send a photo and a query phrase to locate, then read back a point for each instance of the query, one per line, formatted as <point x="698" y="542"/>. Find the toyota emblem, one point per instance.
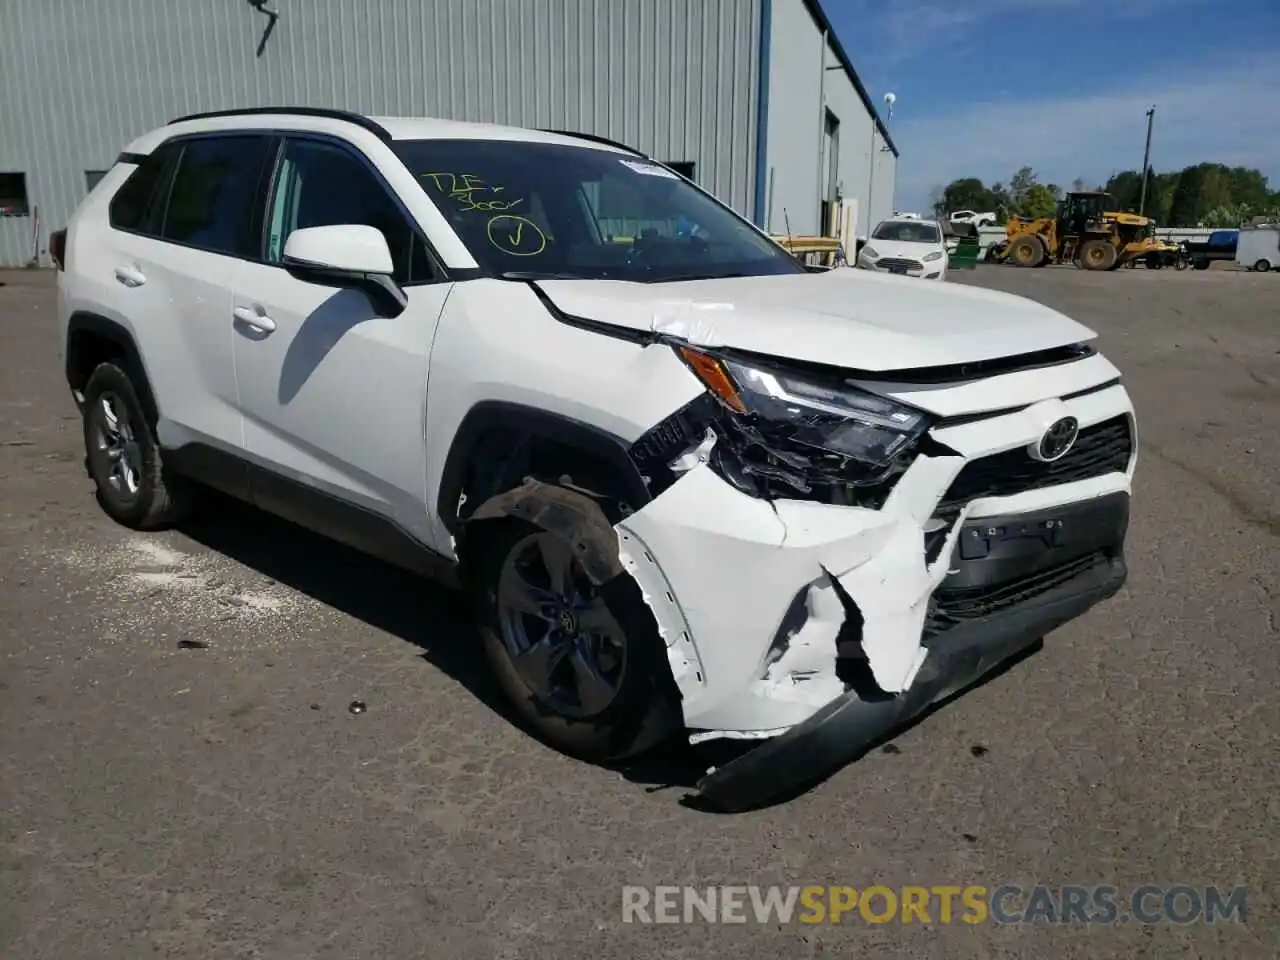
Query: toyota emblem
<point x="1058" y="439"/>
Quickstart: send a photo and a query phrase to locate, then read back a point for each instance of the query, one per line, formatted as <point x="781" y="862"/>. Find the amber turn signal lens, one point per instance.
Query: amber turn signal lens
<point x="712" y="373"/>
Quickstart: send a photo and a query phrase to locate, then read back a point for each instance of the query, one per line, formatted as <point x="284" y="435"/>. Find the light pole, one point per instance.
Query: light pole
<point x="889" y="100"/>
<point x="1146" y="161"/>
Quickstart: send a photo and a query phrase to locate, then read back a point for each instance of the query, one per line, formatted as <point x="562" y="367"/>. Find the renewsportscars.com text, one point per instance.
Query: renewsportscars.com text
<point x="970" y="904"/>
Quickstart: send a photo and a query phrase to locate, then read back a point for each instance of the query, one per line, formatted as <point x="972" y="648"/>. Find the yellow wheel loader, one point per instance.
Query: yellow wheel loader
<point x="1084" y="232"/>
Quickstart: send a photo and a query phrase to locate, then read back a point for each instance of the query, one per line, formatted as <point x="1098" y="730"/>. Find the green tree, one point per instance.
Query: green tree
<point x="1125" y="188"/>
<point x="967" y="194"/>
<point x="1185" y="207"/>
<point x="1227" y="215"/>
<point x="1004" y="202"/>
<point x="1020" y="185"/>
<point x="1158" y="196"/>
<point x="1039" y="201"/>
<point x="1248" y="187"/>
<point x="1216" y="190"/>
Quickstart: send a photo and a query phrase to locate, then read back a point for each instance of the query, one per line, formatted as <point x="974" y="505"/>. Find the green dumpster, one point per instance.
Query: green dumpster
<point x="965" y="255"/>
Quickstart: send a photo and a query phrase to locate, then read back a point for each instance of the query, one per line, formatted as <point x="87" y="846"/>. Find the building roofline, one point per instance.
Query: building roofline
<point x="820" y="17"/>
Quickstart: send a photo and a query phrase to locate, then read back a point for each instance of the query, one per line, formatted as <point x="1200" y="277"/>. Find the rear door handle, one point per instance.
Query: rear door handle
<point x="252" y="318"/>
<point x="130" y="276"/>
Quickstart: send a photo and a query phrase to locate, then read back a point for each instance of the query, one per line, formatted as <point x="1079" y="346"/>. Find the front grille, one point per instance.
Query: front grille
<point x="950" y="608"/>
<point x="898" y="263"/>
<point x="1101" y="449"/>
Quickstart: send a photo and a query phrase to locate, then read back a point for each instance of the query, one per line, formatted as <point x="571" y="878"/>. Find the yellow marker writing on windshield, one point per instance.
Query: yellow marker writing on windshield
<point x="516" y="236"/>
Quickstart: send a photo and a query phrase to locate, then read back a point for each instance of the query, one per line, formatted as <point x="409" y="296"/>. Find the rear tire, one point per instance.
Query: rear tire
<point x="555" y="691"/>
<point x="1200" y="265"/>
<point x="1027" y="252"/>
<point x="1262" y="266"/>
<point x="123" y="458"/>
<point x="1098" y="255"/>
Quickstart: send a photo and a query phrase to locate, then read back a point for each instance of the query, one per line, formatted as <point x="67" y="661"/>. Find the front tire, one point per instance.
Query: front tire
<point x="1027" y="252"/>
<point x="1262" y="266"/>
<point x="1098" y="255"/>
<point x="124" y="460"/>
<point x="583" y="666"/>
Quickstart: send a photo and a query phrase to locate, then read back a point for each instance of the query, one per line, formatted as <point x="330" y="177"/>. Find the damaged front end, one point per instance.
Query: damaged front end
<point x="805" y="555"/>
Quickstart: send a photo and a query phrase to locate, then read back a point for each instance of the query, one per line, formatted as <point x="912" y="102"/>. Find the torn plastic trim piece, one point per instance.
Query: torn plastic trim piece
<point x="673" y="628"/>
<point x="847" y="727"/>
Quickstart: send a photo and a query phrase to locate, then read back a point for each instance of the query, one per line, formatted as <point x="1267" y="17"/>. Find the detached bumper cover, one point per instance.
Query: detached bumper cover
<point x="958" y="657"/>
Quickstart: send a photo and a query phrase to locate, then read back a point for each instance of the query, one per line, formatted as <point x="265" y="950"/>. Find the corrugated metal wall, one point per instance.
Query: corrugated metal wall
<point x="79" y="78"/>
<point x="801" y="86"/>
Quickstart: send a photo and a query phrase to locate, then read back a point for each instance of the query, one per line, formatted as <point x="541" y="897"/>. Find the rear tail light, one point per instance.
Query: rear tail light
<point x="58" y="248"/>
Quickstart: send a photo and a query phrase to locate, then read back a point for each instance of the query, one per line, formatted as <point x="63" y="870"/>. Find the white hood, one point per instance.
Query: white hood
<point x="847" y="318"/>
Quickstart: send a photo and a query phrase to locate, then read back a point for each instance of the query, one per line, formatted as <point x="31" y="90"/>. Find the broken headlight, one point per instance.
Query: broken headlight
<point x="781" y="433"/>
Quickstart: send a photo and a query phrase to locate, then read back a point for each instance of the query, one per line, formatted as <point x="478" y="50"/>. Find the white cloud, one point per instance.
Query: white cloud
<point x="1203" y="113"/>
<point x="907" y="28"/>
<point x="902" y="29"/>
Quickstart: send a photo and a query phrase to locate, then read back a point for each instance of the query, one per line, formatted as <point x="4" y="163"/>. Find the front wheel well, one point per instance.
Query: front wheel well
<point x="500" y="445"/>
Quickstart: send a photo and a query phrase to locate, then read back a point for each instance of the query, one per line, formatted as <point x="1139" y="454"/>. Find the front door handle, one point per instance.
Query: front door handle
<point x="130" y="275"/>
<point x="252" y="318"/>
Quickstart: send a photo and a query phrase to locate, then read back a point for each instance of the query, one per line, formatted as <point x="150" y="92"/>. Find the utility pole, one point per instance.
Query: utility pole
<point x="1146" y="161"/>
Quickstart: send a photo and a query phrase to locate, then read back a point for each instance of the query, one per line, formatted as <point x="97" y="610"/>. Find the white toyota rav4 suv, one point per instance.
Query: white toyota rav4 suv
<point x="693" y="487"/>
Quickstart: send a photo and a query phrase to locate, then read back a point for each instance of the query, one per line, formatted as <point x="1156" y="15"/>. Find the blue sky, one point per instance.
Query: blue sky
<point x="986" y="86"/>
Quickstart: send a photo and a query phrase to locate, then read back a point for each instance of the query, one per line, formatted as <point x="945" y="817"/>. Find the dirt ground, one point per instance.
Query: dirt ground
<point x="181" y="775"/>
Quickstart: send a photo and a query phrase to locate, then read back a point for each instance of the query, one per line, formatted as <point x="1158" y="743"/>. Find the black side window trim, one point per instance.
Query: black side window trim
<point x="164" y="188"/>
<point x="266" y="189"/>
<point x="440" y="272"/>
<point x="164" y="156"/>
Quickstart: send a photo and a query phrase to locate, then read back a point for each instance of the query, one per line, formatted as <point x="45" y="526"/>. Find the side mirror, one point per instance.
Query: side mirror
<point x="346" y="255"/>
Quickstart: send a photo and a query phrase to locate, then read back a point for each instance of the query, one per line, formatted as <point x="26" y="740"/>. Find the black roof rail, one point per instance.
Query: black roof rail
<point x="595" y="139"/>
<point x="359" y="119"/>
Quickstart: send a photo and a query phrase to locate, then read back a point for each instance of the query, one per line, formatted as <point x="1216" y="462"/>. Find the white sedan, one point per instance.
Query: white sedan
<point x="913" y="248"/>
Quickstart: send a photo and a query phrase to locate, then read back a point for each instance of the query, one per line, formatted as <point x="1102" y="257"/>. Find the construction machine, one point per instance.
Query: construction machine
<point x="1084" y="231"/>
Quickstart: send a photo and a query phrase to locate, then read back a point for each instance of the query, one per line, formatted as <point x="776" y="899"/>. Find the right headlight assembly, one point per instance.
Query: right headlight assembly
<point x="781" y="433"/>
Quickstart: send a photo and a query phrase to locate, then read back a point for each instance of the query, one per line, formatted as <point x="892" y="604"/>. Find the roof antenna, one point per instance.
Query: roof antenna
<point x="791" y="244"/>
<point x="272" y="17"/>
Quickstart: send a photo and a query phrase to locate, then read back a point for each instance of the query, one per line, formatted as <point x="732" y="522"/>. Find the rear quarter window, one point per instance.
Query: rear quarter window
<point x="138" y="205"/>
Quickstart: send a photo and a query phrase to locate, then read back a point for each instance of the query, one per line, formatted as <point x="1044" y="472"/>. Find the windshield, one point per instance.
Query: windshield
<point x="906" y="232"/>
<point x="542" y="209"/>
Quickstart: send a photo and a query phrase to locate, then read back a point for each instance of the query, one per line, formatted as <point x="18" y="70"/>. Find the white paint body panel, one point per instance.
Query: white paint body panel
<point x="354" y="247"/>
<point x="178" y="315"/>
<point x="336" y="396"/>
<point x="845" y="318"/>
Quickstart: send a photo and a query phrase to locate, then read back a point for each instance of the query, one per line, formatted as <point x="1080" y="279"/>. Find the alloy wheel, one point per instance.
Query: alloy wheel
<point x="559" y="634"/>
<point x="116" y="449"/>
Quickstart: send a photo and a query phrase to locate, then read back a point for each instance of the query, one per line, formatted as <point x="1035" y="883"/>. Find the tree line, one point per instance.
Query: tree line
<point x="1202" y="195"/>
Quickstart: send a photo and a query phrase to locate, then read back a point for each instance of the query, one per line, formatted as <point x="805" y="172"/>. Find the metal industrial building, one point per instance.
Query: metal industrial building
<point x="755" y="98"/>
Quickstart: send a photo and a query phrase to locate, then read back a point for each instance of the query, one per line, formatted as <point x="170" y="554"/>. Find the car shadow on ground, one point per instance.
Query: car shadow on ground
<point x="439" y="622"/>
<point x="431" y="617"/>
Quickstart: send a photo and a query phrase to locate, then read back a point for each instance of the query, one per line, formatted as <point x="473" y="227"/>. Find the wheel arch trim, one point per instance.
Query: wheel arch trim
<point x="83" y="322"/>
<point x="529" y="424"/>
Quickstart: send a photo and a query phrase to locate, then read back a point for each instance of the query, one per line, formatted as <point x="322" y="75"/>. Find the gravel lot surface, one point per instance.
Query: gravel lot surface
<point x="180" y="773"/>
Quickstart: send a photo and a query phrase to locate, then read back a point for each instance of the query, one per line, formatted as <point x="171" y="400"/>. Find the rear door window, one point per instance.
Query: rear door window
<point x="211" y="202"/>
